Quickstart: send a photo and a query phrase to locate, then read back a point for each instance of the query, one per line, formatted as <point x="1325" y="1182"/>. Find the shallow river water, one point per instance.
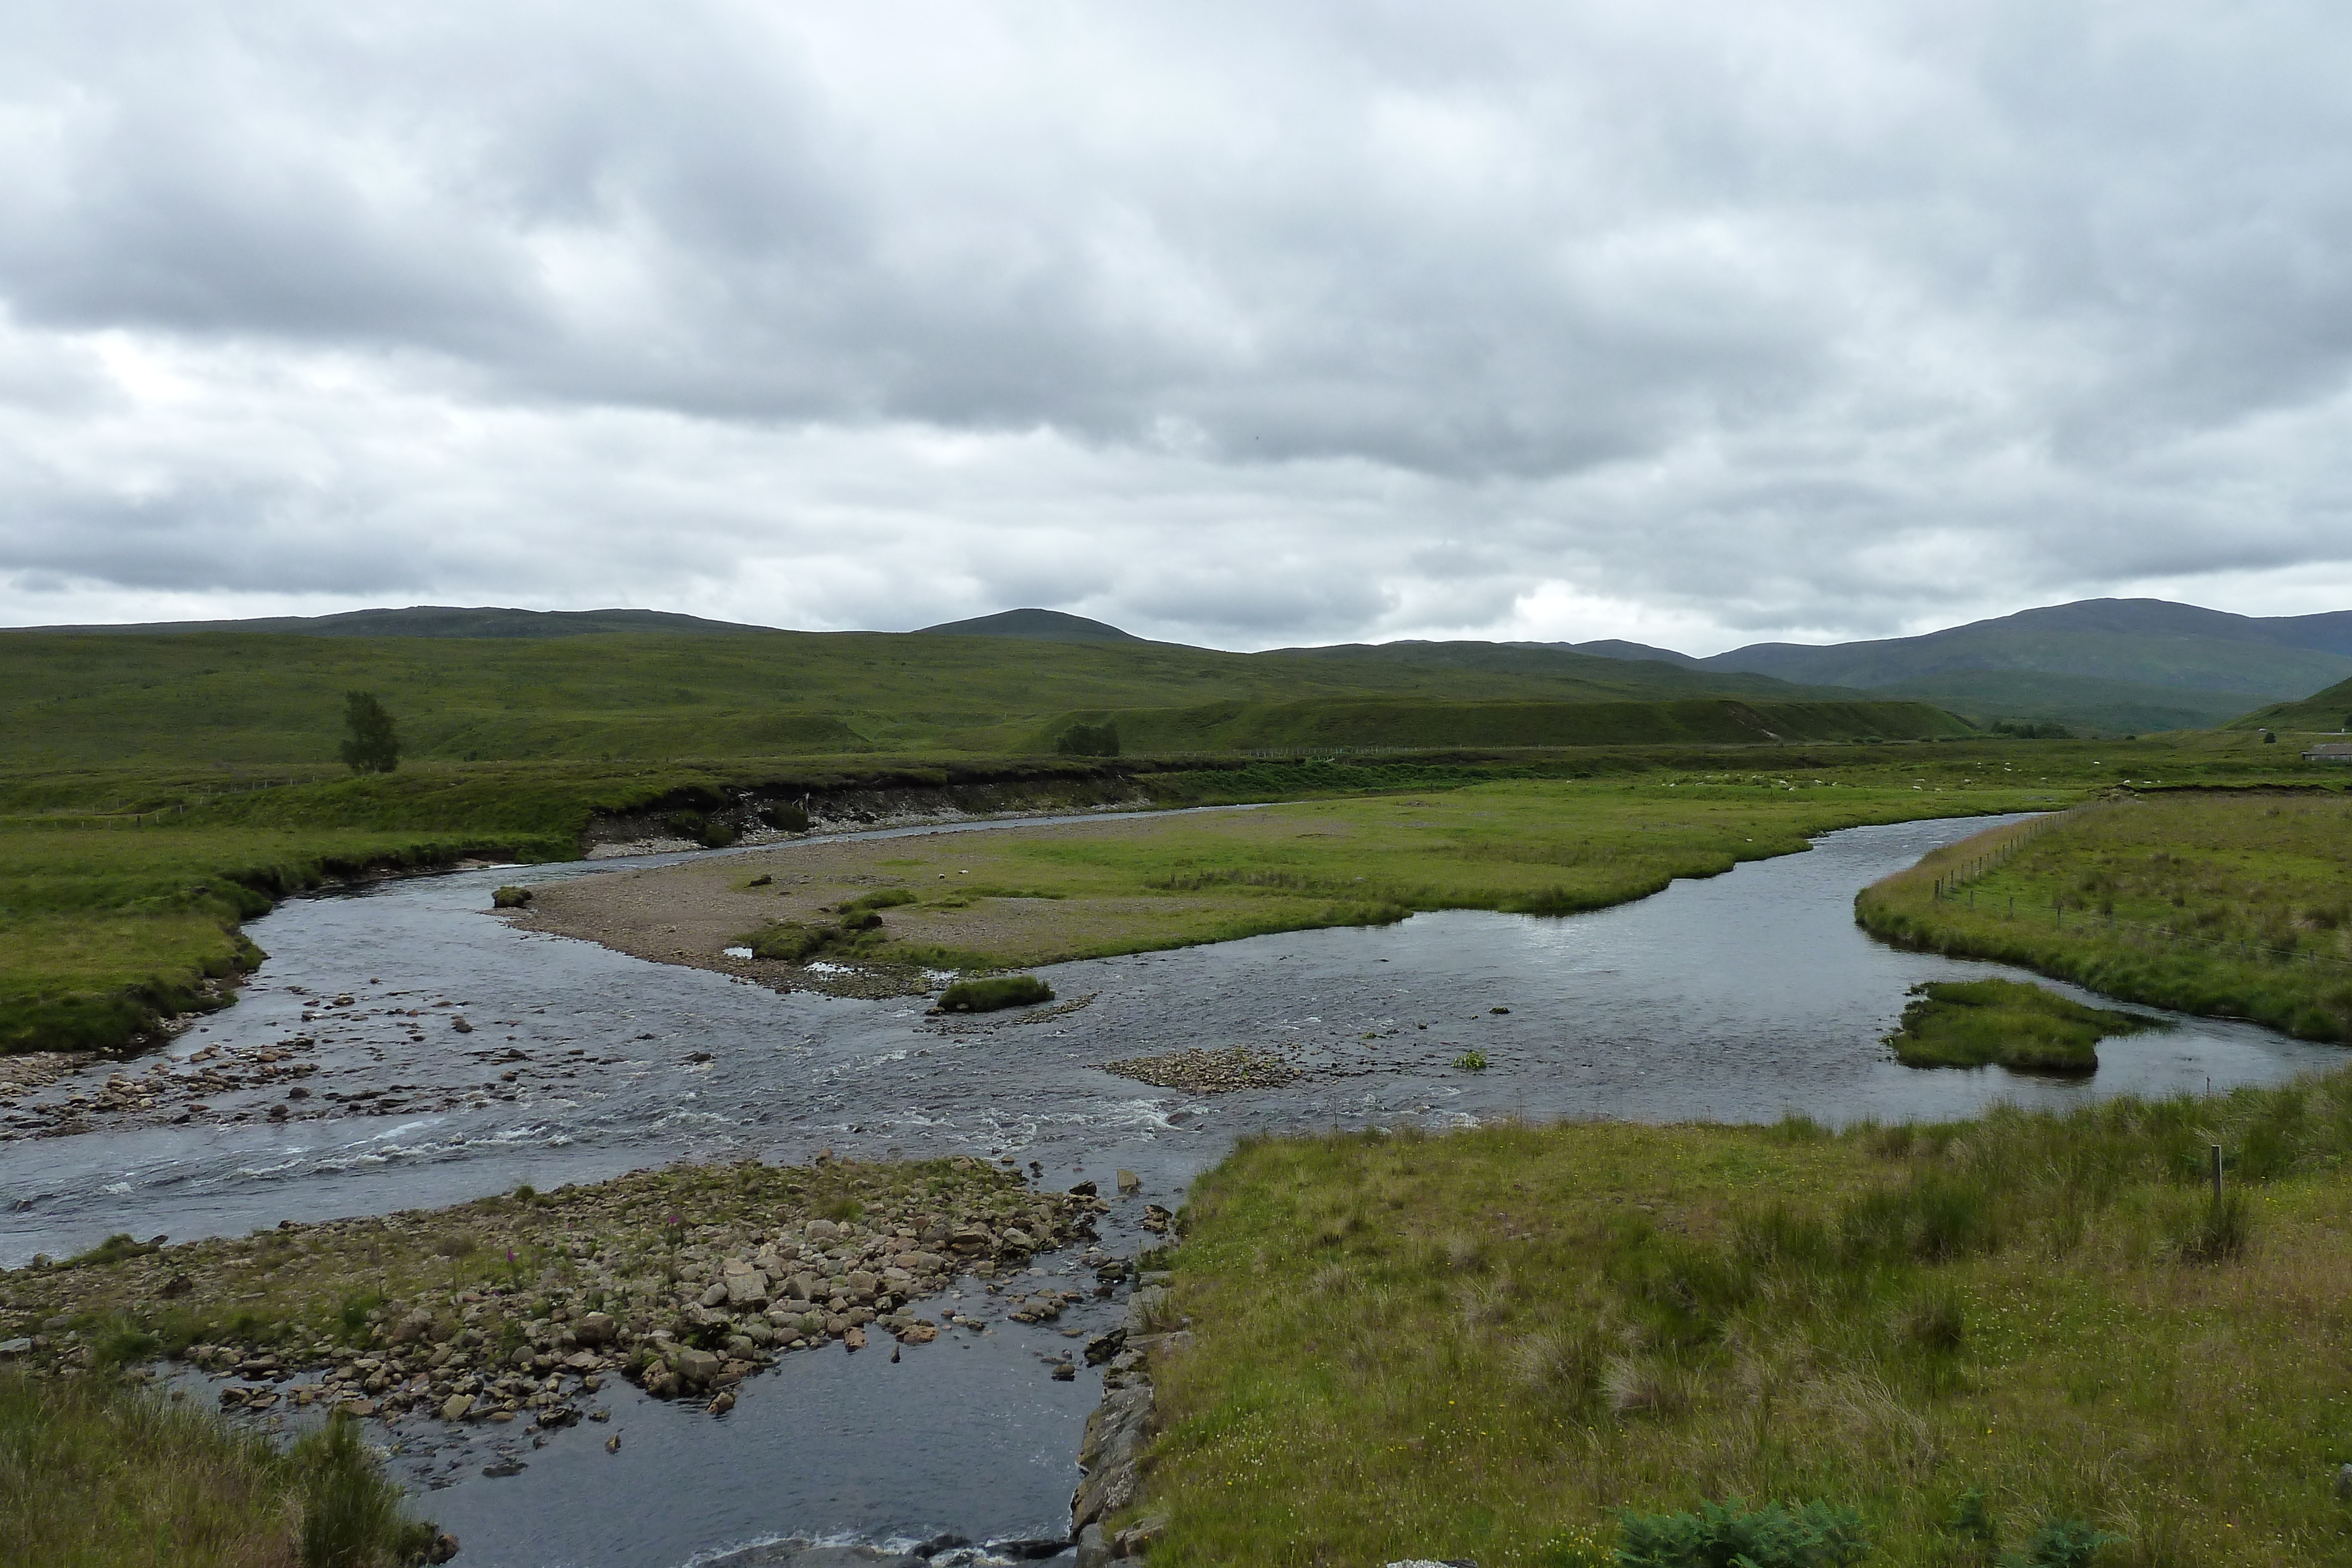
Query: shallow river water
<point x="1743" y="996"/>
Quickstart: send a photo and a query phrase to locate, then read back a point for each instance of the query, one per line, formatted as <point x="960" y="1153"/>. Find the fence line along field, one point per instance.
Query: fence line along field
<point x="2233" y="902"/>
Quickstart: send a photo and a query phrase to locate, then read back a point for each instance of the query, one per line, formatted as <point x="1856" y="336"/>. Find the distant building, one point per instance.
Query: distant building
<point x="2328" y="753"/>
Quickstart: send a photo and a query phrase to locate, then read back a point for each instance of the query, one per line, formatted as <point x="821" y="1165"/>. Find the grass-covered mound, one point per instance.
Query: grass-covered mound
<point x="1998" y="1336"/>
<point x="1976" y="1023"/>
<point x="2234" y="903"/>
<point x="995" y="994"/>
<point x="100" y="1475"/>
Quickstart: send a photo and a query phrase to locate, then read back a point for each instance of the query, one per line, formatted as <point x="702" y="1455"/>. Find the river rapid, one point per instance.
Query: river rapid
<point x="1740" y="997"/>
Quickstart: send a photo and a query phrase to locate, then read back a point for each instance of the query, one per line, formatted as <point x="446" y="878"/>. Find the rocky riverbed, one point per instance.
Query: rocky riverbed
<point x="517" y="1309"/>
<point x="1209" y="1069"/>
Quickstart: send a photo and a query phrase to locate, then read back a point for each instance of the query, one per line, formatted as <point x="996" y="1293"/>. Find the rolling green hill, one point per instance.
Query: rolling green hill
<point x="2112" y="666"/>
<point x="1385" y="722"/>
<point x="437" y="621"/>
<point x="2084" y="703"/>
<point x="2329" y="713"/>
<point x="2146" y="642"/>
<point x="250" y="699"/>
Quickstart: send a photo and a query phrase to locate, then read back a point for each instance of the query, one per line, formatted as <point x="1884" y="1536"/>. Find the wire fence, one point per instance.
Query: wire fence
<point x="153" y="816"/>
<point x="1953" y="886"/>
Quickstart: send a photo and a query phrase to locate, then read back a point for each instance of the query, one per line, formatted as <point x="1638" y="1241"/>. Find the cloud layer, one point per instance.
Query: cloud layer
<point x="1244" y="325"/>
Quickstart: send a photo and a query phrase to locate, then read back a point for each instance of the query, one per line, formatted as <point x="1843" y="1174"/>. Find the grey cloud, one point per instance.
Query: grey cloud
<point x="1266" y="323"/>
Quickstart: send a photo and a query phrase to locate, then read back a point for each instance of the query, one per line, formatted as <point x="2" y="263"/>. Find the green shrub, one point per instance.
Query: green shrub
<point x="988" y="996"/>
<point x="509" y="897"/>
<point x="1732" y="1535"/>
<point x="2061" y="1544"/>
<point x="1471" y="1062"/>
<point x="783" y="818"/>
<point x="1088" y="740"/>
<point x="124" y="1343"/>
<point x="788" y="941"/>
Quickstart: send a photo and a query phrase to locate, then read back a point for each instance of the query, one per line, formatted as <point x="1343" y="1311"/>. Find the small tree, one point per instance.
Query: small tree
<point x="373" y="745"/>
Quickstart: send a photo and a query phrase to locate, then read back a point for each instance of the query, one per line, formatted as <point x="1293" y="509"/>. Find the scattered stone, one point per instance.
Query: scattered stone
<point x="503" y="1468"/>
<point x="1129" y="1184"/>
<point x="456" y="1408"/>
<point x="612" y="1443"/>
<point x="1205" y="1070"/>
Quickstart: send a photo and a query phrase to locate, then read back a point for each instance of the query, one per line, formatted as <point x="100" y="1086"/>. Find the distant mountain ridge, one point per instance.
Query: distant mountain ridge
<point x="438" y="621"/>
<point x="2123" y="665"/>
<point x="1037" y="625"/>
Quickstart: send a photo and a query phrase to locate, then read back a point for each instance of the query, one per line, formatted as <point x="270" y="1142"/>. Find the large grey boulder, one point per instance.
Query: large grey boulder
<point x="1112" y="1453"/>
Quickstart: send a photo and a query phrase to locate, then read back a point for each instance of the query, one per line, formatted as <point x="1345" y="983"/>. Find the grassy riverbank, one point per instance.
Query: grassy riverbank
<point x="1486" y="1344"/>
<point x="102" y="1475"/>
<point x="2228" y="902"/>
<point x="121" y="890"/>
<point x="1023" y="897"/>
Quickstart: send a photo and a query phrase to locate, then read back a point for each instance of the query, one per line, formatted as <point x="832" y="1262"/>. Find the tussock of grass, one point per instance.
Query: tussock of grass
<point x="1972" y="1023"/>
<point x="2236" y="902"/>
<point x="995" y="994"/>
<point x="101" y="1476"/>
<point x="1998" y="1336"/>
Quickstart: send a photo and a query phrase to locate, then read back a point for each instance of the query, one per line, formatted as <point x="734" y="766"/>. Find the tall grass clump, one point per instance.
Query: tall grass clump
<point x="97" y="1473"/>
<point x="995" y="994"/>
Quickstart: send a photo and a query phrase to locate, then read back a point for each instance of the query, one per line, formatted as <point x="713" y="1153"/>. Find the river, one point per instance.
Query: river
<point x="1744" y="997"/>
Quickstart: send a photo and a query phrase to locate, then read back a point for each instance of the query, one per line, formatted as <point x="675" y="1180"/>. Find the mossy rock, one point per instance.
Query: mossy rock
<point x="511" y="898"/>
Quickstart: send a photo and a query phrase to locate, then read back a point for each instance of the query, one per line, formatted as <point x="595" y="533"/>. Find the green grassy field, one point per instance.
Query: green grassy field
<point x="253" y="700"/>
<point x="97" y="1474"/>
<point x="1488" y="1344"/>
<point x="2230" y="903"/>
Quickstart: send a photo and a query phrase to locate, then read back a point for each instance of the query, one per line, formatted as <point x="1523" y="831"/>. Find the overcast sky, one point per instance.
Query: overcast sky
<point x="1238" y="324"/>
